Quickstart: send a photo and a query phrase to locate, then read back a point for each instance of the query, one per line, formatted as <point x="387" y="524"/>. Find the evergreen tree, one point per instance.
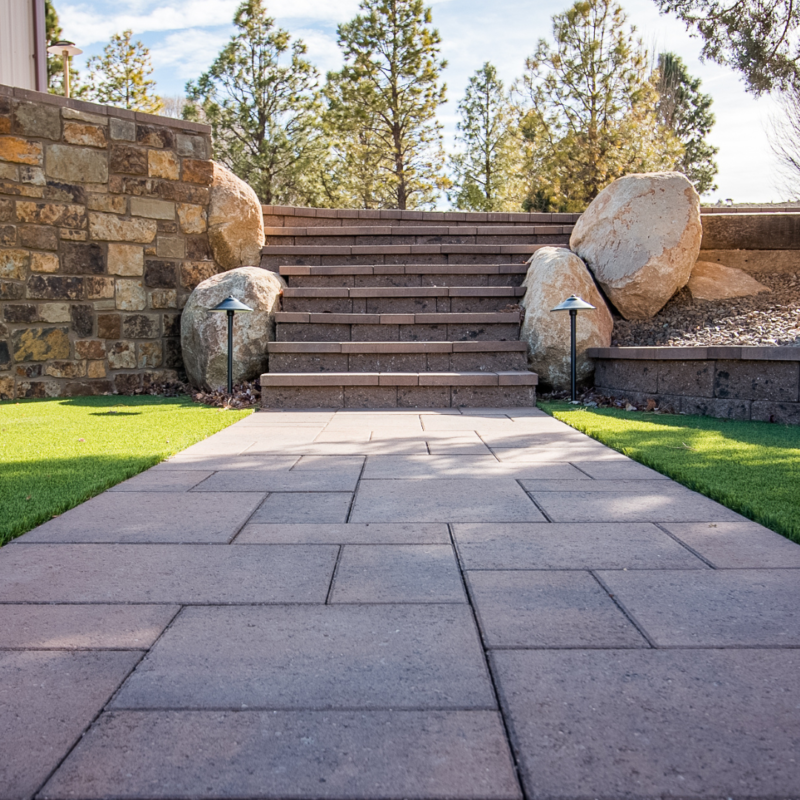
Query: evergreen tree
<point x="259" y="96"/>
<point x="120" y="76"/>
<point x="589" y="109"/>
<point x="487" y="168"/>
<point x="756" y="38"/>
<point x="686" y="111"/>
<point x="385" y="100"/>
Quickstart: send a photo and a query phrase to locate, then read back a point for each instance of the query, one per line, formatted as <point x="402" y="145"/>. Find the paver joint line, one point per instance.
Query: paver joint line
<point x="622" y="608"/>
<point x="683" y="544"/>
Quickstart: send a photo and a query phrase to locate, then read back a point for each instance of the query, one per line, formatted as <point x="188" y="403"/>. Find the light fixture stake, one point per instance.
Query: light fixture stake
<point x="65" y="49"/>
<point x="573" y="304"/>
<point x="230" y="305"/>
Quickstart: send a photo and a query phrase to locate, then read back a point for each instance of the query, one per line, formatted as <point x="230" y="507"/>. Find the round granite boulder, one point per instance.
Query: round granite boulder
<point x="641" y="237"/>
<point x="554" y="274"/>
<point x="235" y="221"/>
<point x="204" y="334"/>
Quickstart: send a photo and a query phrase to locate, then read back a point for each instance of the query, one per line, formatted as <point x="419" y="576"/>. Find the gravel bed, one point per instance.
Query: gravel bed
<point x="771" y="318"/>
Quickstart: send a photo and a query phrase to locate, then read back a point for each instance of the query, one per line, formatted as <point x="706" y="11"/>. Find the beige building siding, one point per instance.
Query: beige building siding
<point x="22" y="44"/>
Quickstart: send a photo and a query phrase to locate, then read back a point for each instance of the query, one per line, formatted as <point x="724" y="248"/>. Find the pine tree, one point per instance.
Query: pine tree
<point x="120" y="76"/>
<point x="686" y="111"/>
<point x="756" y="38"/>
<point x="259" y="96"/>
<point x="589" y="108"/>
<point x="385" y="100"/>
<point x="486" y="170"/>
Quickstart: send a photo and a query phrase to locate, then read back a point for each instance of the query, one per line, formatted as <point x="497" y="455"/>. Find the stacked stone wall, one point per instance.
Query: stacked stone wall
<point x="103" y="235"/>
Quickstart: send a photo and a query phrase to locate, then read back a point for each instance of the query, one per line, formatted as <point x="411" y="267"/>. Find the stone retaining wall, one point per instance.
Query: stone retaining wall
<point x="747" y="383"/>
<point x="102" y="237"/>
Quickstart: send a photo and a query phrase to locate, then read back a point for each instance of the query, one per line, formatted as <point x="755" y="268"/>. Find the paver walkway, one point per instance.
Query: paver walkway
<point x="410" y="604"/>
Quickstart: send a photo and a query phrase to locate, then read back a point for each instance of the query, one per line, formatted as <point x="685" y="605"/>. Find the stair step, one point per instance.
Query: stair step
<point x="492" y="318"/>
<point x="400" y="300"/>
<point x="394" y="390"/>
<point x="398" y="275"/>
<point x="379" y="357"/>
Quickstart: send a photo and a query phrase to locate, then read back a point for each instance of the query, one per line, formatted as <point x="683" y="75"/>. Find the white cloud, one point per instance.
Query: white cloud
<point x="189" y="52"/>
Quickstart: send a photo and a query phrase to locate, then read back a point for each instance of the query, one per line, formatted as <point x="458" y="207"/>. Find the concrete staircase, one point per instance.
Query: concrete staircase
<point x="410" y="309"/>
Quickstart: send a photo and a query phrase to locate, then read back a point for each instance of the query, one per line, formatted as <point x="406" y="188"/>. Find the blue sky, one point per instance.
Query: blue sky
<point x="185" y="35"/>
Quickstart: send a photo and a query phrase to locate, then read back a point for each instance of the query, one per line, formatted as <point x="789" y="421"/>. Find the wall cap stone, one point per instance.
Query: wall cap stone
<point x="719" y="353"/>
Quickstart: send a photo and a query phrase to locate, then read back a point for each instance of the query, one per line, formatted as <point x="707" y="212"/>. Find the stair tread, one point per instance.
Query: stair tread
<point x="289" y="270"/>
<point x="397" y="347"/>
<point x="421" y="230"/>
<point x="401" y="249"/>
<point x="404" y="291"/>
<point x="298" y="379"/>
<point x="440" y="318"/>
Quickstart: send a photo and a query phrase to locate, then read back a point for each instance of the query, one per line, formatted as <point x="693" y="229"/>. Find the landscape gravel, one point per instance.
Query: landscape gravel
<point x="767" y="319"/>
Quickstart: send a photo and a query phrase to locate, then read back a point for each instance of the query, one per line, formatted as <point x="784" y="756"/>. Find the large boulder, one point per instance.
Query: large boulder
<point x="711" y="281"/>
<point x="204" y="334"/>
<point x="554" y="274"/>
<point x="641" y="237"/>
<point x="235" y="221"/>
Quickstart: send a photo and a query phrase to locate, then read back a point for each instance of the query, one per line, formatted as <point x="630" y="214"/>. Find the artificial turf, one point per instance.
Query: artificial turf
<point x="54" y="454"/>
<point x="751" y="467"/>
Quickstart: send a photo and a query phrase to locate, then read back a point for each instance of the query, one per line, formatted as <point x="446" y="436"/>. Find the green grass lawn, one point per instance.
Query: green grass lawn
<point x="55" y="454"/>
<point x="751" y="467"/>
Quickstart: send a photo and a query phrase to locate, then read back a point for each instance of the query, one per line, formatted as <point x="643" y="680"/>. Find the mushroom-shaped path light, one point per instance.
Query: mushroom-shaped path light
<point x="64" y="49"/>
<point x="231" y="305"/>
<point x="573" y="304"/>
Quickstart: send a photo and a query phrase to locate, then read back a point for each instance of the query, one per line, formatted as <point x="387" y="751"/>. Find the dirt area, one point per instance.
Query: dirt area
<point x="771" y="318"/>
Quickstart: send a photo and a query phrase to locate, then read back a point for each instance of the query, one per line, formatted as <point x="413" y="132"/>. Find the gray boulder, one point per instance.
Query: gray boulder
<point x="204" y="334"/>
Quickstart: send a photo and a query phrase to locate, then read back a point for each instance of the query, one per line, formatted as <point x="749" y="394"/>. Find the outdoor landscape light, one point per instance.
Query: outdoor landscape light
<point x="573" y="304"/>
<point x="231" y="305"/>
<point x="64" y="49"/>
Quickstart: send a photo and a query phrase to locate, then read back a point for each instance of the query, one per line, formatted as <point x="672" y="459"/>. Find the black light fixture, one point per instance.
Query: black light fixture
<point x="66" y="50"/>
<point x="231" y="305"/>
<point x="573" y="304"/>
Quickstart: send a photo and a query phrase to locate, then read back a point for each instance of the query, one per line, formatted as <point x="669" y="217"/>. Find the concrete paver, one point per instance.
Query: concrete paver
<point x="47" y="699"/>
<point x="280" y="611"/>
<point x="457" y="500"/>
<point x="653" y="723"/>
<point x="731" y="545"/>
<point x="623" y="545"/>
<point x="169" y="517"/>
<point x="461" y="755"/>
<point x="82" y="627"/>
<point x="398" y="574"/>
<point x="548" y="609"/>
<point x="739" y="608"/>
<point x="315" y="657"/>
<point x="123" y="573"/>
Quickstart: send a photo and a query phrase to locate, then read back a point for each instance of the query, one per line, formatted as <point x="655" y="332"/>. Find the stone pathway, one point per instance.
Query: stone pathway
<point x="370" y="604"/>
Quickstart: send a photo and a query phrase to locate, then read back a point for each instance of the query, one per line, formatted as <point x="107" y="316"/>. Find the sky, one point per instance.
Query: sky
<point x="184" y="37"/>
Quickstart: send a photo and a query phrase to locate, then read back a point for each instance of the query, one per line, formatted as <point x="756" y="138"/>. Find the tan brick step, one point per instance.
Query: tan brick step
<point x="398" y="390"/>
<point x="397" y="356"/>
<point x="398" y="275"/>
<point x="407" y="299"/>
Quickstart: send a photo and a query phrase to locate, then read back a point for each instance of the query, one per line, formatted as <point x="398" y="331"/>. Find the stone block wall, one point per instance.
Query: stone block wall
<point x="746" y="383"/>
<point x="102" y="238"/>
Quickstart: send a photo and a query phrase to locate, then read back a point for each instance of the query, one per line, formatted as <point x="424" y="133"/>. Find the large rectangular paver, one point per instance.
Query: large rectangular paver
<point x="82" y="627"/>
<point x="315" y="657"/>
<point x="172" y="480"/>
<point x="312" y="507"/>
<point x="293" y="481"/>
<point x="534" y="486"/>
<point x="571" y="546"/>
<point x="658" y="506"/>
<point x="468" y="500"/>
<point x="398" y="574"/>
<point x="366" y="533"/>
<point x="715" y="608"/>
<point x="87" y="573"/>
<point x="548" y="609"/>
<point x="731" y="545"/>
<point x="47" y="699"/>
<point x="458" y="755"/>
<point x="653" y="723"/>
<point x="620" y="469"/>
<point x="557" y="452"/>
<point x="211" y="463"/>
<point x="464" y="466"/>
<point x="155" y="517"/>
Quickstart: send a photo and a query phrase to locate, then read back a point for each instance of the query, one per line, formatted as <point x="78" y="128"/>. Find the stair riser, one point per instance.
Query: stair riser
<point x="398" y="397"/>
<point x="366" y="281"/>
<point x="398" y="362"/>
<point x="380" y="241"/>
<point x="399" y="305"/>
<point x="274" y="262"/>
<point x="427" y="220"/>
<point x="456" y="332"/>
